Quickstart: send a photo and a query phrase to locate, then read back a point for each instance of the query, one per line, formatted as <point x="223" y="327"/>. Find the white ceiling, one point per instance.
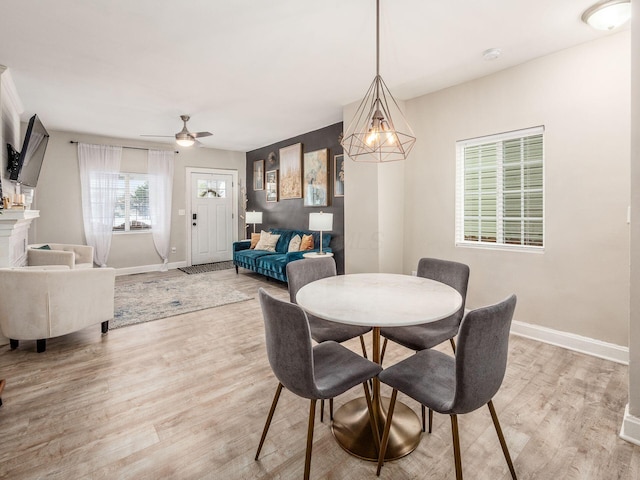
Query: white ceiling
<point x="254" y="72"/>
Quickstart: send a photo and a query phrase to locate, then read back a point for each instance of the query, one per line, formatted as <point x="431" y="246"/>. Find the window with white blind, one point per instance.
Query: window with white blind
<point x="132" y="203"/>
<point x="500" y="190"/>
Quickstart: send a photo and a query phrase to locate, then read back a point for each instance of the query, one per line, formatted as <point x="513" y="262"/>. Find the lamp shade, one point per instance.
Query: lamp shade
<point x="254" y="217"/>
<point x="321" y="221"/>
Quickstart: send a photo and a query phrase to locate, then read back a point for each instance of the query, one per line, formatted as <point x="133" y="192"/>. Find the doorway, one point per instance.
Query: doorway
<point x="212" y="220"/>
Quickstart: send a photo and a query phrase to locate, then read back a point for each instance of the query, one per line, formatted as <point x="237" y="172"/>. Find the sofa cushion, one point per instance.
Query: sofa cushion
<point x="255" y="238"/>
<point x="285" y="237"/>
<point x="294" y="244"/>
<point x="267" y="241"/>
<point x="247" y="258"/>
<point x="273" y="263"/>
<point x="307" y="243"/>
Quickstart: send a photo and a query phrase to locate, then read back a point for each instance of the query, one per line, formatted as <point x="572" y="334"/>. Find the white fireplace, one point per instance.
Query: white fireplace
<point x="14" y="231"/>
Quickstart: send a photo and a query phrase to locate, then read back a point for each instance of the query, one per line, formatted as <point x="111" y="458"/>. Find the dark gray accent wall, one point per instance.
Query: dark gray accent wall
<point x="291" y="213"/>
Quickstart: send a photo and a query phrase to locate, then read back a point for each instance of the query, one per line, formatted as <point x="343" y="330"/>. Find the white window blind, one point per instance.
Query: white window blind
<point x="500" y="190"/>
<point x="132" y="203"/>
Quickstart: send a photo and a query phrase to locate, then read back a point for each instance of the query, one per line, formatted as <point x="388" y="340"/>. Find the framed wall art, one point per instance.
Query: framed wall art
<point x="258" y="175"/>
<point x="338" y="175"/>
<point x="271" y="183"/>
<point x="316" y="178"/>
<point x="291" y="171"/>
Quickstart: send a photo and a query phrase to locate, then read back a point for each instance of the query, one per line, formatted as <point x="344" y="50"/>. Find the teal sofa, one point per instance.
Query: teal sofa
<point x="274" y="264"/>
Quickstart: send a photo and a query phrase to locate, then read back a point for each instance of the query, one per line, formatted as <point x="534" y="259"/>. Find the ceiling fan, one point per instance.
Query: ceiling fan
<point x="184" y="137"/>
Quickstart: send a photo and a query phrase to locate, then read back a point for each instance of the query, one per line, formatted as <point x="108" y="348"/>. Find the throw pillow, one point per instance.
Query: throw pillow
<point x="307" y="243"/>
<point x="44" y="247"/>
<point x="294" y="244"/>
<point x="267" y="241"/>
<point x="255" y="238"/>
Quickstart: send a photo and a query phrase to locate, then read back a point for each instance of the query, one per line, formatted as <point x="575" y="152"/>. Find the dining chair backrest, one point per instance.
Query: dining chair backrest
<point x="481" y="355"/>
<point x="454" y="274"/>
<point x="288" y="341"/>
<point x="301" y="272"/>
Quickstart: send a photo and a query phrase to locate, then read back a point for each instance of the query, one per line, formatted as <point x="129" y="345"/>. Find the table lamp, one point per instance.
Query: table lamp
<point x="322" y="222"/>
<point x="253" y="217"/>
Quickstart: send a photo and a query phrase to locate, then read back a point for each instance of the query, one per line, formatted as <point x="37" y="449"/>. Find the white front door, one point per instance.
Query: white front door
<point x="211" y="217"/>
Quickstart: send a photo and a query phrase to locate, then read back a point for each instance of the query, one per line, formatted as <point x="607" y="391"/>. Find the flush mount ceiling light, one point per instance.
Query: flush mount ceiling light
<point x="491" y="54"/>
<point x="372" y="135"/>
<point x="608" y="15"/>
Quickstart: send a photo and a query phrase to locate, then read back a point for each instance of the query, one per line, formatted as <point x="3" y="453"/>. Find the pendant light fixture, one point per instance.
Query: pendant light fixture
<point x="372" y="135"/>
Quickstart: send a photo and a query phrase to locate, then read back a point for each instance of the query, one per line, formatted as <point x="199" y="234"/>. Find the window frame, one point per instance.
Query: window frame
<point x="499" y="244"/>
<point x="128" y="176"/>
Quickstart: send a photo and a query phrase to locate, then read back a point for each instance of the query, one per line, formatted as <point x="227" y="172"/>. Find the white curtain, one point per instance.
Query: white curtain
<point x="160" y="168"/>
<point x="99" y="171"/>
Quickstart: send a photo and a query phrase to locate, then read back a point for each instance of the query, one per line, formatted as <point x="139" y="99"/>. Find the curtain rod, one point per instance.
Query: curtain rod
<point x="130" y="148"/>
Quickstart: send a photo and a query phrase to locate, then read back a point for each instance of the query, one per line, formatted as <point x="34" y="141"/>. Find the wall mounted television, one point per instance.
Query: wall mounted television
<point x="24" y="167"/>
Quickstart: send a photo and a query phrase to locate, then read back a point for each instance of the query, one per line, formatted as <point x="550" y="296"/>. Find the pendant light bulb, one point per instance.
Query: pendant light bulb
<point x="372" y="138"/>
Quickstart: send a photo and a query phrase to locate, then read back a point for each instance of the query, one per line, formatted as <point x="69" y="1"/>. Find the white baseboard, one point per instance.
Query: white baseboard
<point x="630" y="430"/>
<point x="571" y="341"/>
<point x="148" y="268"/>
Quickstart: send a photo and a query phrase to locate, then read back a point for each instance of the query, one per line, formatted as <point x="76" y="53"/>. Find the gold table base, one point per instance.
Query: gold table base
<point x="352" y="429"/>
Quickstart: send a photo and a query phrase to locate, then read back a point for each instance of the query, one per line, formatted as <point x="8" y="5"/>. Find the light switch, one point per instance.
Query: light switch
<point x="181" y="212"/>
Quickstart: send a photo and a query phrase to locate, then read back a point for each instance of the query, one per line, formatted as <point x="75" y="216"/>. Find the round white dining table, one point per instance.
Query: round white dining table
<point x="378" y="300"/>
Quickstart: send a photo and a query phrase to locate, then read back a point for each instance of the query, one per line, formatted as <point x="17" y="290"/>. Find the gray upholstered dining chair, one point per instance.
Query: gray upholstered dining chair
<point x="301" y="272"/>
<point x="428" y="335"/>
<point x="313" y="372"/>
<point x="460" y="384"/>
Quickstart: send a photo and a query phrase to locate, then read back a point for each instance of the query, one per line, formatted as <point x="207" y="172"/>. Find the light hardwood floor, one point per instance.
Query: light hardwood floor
<point x="186" y="398"/>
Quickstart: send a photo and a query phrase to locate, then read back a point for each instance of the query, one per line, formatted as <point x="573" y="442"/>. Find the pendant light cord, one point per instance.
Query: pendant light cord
<point x="377" y="51"/>
<point x="377" y="38"/>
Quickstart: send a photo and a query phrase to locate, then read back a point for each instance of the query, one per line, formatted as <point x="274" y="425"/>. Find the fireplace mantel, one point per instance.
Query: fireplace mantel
<point x="14" y="229"/>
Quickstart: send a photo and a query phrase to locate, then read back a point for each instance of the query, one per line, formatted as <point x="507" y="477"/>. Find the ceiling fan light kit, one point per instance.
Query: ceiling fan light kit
<point x="184" y="137"/>
<point x="184" y="140"/>
<point x="608" y="15"/>
<point x="372" y="135"/>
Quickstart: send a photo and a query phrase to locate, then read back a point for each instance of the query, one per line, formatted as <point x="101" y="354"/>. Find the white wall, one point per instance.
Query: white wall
<point x="580" y="284"/>
<point x="58" y="196"/>
<point x="361" y="229"/>
<point x="10" y="110"/>
<point x="373" y="213"/>
<point x="631" y="424"/>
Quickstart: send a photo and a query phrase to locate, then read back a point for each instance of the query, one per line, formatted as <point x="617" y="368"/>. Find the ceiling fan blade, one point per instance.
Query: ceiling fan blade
<point x="198" y="144"/>
<point x="168" y="136"/>
<point x="201" y="134"/>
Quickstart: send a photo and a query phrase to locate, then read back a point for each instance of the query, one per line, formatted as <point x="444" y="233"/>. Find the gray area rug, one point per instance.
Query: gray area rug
<point x="208" y="267"/>
<point x="154" y="299"/>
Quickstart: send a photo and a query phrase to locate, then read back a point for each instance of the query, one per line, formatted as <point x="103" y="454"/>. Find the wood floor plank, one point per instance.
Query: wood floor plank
<point x="186" y="397"/>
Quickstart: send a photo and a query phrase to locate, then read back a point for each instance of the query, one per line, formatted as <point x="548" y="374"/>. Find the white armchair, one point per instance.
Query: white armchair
<point x="74" y="256"/>
<point x="37" y="303"/>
